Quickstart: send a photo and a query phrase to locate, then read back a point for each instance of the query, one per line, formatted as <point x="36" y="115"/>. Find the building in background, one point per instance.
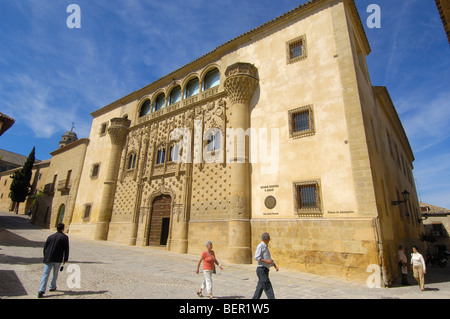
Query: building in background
<point x="54" y="183"/>
<point x="61" y="183"/>
<point x="5" y="123"/>
<point x="38" y="176"/>
<point x="10" y="160"/>
<point x="436" y="221"/>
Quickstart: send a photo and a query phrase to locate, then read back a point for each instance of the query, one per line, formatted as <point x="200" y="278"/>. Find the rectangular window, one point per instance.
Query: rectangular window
<point x="95" y="170"/>
<point x="87" y="211"/>
<point x="161" y="156"/>
<point x="103" y="128"/>
<point x="67" y="185"/>
<point x="296" y="49"/>
<point x="132" y="161"/>
<point x="301" y="122"/>
<point x="214" y="141"/>
<point x="174" y="153"/>
<point x="307" y="198"/>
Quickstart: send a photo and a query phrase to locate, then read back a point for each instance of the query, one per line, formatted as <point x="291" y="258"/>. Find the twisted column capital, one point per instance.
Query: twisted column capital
<point x="241" y="81"/>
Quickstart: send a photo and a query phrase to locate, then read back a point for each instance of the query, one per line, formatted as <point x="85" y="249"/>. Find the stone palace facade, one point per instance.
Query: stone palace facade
<point x="172" y="164"/>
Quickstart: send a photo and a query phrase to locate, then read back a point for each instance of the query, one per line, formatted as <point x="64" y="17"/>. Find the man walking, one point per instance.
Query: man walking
<point x="56" y="250"/>
<point x="262" y="256"/>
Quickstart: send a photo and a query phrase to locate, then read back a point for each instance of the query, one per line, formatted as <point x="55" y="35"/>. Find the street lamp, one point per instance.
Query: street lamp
<point x="405" y="195"/>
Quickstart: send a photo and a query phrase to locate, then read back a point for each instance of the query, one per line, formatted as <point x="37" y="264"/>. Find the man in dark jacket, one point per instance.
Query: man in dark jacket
<point x="56" y="250"/>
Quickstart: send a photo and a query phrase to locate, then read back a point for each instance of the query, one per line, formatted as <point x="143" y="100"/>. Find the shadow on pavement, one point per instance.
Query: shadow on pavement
<point x="434" y="275"/>
<point x="8" y="238"/>
<point x="230" y="297"/>
<point x="15" y="260"/>
<point x="74" y="293"/>
<point x="13" y="221"/>
<point x="11" y="284"/>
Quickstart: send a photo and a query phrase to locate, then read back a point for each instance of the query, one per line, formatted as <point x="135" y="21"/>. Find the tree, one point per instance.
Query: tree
<point x="20" y="186"/>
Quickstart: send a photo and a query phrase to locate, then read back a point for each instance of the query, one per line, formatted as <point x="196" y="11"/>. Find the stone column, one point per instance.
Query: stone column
<point x="117" y="131"/>
<point x="240" y="83"/>
<point x="140" y="186"/>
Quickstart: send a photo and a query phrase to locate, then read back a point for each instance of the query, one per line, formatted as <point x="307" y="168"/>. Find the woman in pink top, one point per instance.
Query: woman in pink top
<point x="209" y="259"/>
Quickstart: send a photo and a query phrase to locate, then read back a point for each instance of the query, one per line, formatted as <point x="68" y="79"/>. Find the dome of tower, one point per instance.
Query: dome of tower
<point x="67" y="138"/>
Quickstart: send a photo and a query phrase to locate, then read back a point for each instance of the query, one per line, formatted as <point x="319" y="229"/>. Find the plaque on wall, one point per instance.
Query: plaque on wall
<point x="270" y="202"/>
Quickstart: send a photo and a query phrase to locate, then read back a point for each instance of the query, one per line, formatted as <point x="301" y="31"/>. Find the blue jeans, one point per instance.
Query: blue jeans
<point x="47" y="269"/>
<point x="264" y="284"/>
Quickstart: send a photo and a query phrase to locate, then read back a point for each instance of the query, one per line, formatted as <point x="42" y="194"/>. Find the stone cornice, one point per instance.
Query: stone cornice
<point x="70" y="146"/>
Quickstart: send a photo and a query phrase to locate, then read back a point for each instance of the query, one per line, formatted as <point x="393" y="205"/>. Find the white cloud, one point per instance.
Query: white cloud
<point x="432" y="175"/>
<point x="426" y="119"/>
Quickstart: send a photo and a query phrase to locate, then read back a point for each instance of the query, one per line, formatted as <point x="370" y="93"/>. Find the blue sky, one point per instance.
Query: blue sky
<point x="51" y="75"/>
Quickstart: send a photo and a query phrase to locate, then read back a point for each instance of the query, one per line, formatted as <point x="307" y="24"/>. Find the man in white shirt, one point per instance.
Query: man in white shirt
<point x="262" y="256"/>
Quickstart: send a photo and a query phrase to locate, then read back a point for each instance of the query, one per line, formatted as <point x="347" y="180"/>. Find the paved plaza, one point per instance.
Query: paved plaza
<point x="107" y="270"/>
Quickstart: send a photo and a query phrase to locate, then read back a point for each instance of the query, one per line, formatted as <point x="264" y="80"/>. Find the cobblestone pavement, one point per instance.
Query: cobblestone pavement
<point x="110" y="270"/>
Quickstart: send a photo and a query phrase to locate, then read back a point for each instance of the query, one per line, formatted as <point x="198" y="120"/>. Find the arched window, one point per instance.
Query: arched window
<point x="145" y="108"/>
<point x="159" y="102"/>
<point x="161" y="156"/>
<point x="175" y="95"/>
<point x="212" y="79"/>
<point x="192" y="88"/>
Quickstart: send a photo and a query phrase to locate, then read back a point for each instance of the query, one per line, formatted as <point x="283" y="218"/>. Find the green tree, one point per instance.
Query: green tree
<point x="20" y="186"/>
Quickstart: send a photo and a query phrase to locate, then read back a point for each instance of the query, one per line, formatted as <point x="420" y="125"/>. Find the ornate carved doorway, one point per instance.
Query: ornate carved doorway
<point x="160" y="221"/>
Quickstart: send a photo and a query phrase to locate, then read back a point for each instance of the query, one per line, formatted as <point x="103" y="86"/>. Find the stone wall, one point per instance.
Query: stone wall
<point x="341" y="248"/>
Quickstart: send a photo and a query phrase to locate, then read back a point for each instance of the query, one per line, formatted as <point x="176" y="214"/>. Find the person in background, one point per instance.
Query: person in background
<point x="402" y="263"/>
<point x="419" y="267"/>
<point x="56" y="251"/>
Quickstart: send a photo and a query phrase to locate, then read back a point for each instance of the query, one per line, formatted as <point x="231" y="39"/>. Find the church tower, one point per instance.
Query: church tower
<point x="68" y="137"/>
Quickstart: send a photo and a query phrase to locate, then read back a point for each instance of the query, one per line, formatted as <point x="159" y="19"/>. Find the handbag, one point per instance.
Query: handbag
<point x="214" y="260"/>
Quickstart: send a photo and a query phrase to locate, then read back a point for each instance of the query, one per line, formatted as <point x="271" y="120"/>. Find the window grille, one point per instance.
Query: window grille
<point x="296" y="49"/>
<point x="307" y="199"/>
<point x="301" y="122"/>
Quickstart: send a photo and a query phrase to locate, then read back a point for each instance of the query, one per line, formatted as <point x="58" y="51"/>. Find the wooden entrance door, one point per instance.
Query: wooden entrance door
<point x="160" y="220"/>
